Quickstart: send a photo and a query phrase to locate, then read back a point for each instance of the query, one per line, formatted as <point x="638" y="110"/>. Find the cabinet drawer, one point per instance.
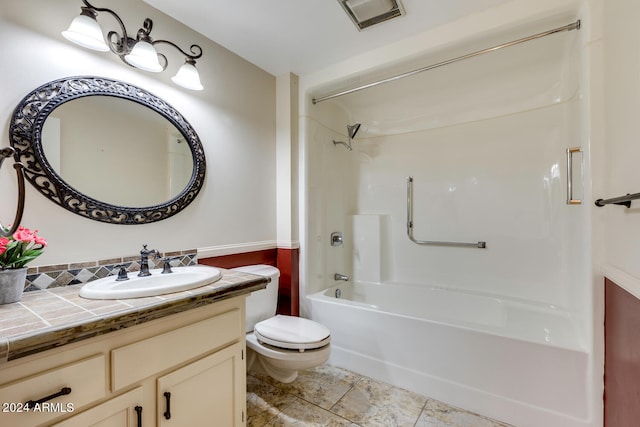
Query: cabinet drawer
<point x="142" y="359"/>
<point x="85" y="378"/>
<point x="118" y="411"/>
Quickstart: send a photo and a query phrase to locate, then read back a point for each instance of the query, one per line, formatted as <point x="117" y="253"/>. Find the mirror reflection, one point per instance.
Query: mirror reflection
<point x="112" y="152"/>
<point x="117" y="151"/>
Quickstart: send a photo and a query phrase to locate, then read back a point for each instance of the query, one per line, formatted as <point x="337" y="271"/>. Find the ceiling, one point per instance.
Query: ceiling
<point x="302" y="36"/>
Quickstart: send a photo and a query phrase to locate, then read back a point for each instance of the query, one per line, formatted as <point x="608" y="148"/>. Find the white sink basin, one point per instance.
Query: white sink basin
<point x="182" y="279"/>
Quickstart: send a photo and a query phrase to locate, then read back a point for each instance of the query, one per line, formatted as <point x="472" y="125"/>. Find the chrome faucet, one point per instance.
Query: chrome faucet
<point x="339" y="276"/>
<point x="144" y="260"/>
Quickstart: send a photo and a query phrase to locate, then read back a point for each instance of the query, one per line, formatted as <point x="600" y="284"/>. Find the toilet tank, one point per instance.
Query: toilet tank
<point x="262" y="304"/>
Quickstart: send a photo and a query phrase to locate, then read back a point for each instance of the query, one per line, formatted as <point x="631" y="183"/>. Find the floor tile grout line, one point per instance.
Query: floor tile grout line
<point x="421" y="411"/>
<point x="345" y="393"/>
<point x="364" y="378"/>
<point x="282" y="410"/>
<point x="328" y="410"/>
<point x="297" y="398"/>
<point x="279" y="411"/>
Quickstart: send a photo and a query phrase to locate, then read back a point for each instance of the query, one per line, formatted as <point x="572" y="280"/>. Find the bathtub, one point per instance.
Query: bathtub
<point x="521" y="363"/>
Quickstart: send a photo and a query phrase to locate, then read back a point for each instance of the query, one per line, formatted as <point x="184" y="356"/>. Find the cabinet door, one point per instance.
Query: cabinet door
<point x="121" y="411"/>
<point x="207" y="392"/>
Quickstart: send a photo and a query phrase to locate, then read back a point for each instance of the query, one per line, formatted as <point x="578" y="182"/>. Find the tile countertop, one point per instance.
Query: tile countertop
<point x="54" y="317"/>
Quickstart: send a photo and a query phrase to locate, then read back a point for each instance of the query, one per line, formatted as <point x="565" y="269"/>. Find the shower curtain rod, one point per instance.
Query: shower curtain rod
<point x="569" y="27"/>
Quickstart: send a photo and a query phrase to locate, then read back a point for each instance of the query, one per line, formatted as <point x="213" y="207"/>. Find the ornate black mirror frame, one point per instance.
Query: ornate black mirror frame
<point x="25" y="133"/>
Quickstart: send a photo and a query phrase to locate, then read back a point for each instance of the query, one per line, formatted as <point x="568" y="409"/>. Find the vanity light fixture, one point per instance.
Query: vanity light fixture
<point x="139" y="52"/>
<point x="365" y="13"/>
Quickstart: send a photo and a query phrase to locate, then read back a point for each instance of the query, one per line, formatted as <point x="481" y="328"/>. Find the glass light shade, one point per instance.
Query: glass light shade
<point x="144" y="56"/>
<point x="86" y="32"/>
<point x="188" y="77"/>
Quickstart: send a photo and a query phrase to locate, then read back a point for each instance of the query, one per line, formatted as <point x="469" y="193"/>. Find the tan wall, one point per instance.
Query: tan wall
<point x="234" y="117"/>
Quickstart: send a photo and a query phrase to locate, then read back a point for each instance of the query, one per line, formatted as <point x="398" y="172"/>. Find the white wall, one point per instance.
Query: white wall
<point x="234" y="117"/>
<point x="286" y="160"/>
<point x="621" y="108"/>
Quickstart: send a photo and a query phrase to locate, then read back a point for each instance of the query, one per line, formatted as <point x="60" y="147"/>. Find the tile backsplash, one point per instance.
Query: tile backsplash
<point x="50" y="276"/>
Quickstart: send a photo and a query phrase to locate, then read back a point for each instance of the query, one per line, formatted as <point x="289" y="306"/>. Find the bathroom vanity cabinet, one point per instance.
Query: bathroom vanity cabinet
<point x="185" y="369"/>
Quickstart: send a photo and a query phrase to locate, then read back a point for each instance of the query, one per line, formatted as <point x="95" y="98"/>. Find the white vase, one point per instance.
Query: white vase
<point x="12" y="284"/>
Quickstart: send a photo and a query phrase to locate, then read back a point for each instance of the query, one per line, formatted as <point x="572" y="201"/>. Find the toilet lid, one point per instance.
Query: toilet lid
<point x="292" y="333"/>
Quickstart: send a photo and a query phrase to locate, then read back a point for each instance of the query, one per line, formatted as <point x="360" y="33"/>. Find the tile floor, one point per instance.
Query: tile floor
<point x="334" y="397"/>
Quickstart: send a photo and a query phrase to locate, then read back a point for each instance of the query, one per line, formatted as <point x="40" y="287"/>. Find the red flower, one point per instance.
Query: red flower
<point x="3" y="244"/>
<point x="20" y="248"/>
<point x="24" y="235"/>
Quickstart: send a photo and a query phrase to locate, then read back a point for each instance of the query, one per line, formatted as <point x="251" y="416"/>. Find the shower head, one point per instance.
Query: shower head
<point x="352" y="130"/>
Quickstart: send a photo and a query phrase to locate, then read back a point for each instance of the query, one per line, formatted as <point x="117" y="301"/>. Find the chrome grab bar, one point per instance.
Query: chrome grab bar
<point x="478" y="245"/>
<point x="570" y="199"/>
<point x="6" y="153"/>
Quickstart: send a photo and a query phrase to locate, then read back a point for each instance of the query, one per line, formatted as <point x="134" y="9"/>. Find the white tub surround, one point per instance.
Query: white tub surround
<point x="503" y="329"/>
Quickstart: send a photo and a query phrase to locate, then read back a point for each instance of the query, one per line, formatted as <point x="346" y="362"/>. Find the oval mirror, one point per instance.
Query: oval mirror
<point x="107" y="150"/>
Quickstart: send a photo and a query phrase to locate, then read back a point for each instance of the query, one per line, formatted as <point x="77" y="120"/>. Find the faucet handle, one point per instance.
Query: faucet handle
<point x="145" y="253"/>
<point x="122" y="273"/>
<point x="166" y="268"/>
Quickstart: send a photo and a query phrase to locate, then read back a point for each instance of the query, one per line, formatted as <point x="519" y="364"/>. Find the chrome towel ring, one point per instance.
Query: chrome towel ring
<point x="6" y="153"/>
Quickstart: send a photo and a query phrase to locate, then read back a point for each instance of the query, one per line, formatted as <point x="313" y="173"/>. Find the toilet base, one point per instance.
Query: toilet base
<point x="257" y="365"/>
<point x="281" y="365"/>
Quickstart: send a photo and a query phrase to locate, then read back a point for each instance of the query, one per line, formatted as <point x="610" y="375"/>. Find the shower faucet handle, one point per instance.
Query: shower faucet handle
<point x="336" y="238"/>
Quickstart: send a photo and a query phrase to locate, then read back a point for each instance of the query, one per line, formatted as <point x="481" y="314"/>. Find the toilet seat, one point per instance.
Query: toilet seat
<point x="292" y="333"/>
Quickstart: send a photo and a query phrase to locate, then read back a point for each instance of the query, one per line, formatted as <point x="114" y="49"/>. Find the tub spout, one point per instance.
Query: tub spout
<point x="338" y="276"/>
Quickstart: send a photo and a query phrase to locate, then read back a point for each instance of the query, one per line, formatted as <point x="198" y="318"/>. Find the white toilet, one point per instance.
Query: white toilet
<point x="278" y="345"/>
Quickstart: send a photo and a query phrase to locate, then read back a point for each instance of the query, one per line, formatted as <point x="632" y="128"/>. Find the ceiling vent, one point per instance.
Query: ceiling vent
<point x="365" y="13"/>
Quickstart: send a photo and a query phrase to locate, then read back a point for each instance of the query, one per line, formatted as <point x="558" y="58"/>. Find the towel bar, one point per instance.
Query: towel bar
<point x="622" y="200"/>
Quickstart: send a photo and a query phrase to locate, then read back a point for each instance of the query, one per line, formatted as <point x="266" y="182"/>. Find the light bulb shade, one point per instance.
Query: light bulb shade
<point x="144" y="56"/>
<point x="188" y="77"/>
<point x="86" y="32"/>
